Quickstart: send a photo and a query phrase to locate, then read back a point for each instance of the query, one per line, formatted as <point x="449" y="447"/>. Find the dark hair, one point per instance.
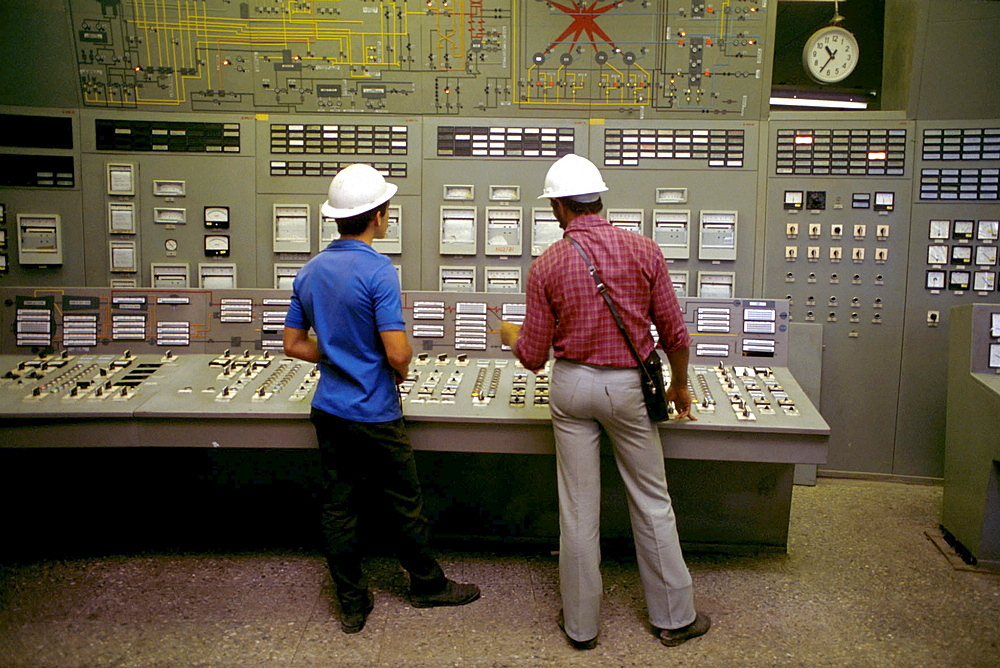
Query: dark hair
<point x="582" y="208"/>
<point x="357" y="224"/>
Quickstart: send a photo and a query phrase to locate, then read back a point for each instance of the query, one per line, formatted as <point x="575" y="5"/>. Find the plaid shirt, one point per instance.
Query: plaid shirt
<point x="567" y="313"/>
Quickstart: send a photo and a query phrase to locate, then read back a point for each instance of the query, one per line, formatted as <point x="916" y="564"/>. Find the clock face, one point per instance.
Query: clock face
<point x="830" y="54"/>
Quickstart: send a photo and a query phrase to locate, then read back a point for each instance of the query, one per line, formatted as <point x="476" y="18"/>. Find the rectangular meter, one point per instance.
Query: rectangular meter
<point x="671" y="195"/>
<point x="984" y="281"/>
<point x="459" y="192"/>
<point x="503" y="279"/>
<point x="217" y="276"/>
<point x="505" y="193"/>
<point x="121" y="217"/>
<point x="39" y="238"/>
<point x="121" y="178"/>
<point x="718" y="235"/>
<point x="626" y="219"/>
<point x="169" y="188"/>
<point x="503" y="230"/>
<point x="458" y="230"/>
<point x="327" y="230"/>
<point x="671" y="233"/>
<point x="165" y="275"/>
<point x="284" y="274"/>
<point x="164" y="215"/>
<point x="121" y="255"/>
<point x="291" y="228"/>
<point x="679" y="279"/>
<point x="545" y="230"/>
<point x="457" y="279"/>
<point x="716" y="284"/>
<point x="392" y="244"/>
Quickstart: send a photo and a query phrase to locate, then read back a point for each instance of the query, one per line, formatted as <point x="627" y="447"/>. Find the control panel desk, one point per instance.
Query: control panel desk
<point x="730" y="471"/>
<point x="478" y="420"/>
<point x="970" y="511"/>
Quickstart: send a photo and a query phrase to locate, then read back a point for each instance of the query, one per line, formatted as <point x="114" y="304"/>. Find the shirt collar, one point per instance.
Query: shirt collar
<point x="348" y="244"/>
<point x="586" y="221"/>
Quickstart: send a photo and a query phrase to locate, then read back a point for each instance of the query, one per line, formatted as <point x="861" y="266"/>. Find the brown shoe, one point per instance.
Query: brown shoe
<point x="699" y="627"/>
<point x="577" y="644"/>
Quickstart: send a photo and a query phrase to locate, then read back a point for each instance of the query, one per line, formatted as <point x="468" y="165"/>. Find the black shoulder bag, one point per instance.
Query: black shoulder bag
<point x="650" y="370"/>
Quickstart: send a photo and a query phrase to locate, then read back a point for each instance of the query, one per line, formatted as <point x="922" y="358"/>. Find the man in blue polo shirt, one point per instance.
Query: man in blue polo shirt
<point x="349" y="295"/>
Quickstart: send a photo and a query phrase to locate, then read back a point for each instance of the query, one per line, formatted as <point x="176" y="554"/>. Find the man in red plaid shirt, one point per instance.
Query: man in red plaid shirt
<point x="595" y="384"/>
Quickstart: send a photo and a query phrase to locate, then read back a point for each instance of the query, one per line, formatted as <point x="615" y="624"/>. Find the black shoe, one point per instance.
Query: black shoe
<point x="352" y="621"/>
<point x="699" y="627"/>
<point x="452" y="594"/>
<point x="577" y="644"/>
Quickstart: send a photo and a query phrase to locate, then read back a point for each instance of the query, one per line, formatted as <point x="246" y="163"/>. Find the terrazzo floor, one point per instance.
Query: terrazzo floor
<point x="863" y="583"/>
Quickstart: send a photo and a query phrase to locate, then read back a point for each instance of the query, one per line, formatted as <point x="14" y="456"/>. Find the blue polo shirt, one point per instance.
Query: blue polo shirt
<point x="347" y="294"/>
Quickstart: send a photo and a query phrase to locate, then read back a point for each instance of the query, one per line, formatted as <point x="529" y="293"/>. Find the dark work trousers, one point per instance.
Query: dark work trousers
<point x="371" y="462"/>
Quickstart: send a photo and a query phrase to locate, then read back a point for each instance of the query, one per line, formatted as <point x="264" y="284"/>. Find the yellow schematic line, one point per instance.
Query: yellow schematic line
<point x="217" y="32"/>
<point x="513" y="49"/>
<point x="723" y="19"/>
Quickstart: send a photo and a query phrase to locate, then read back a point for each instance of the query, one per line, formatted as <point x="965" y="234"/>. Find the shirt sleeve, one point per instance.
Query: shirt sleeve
<point x="535" y="337"/>
<point x="666" y="313"/>
<point x="295" y="317"/>
<point x="388" y="300"/>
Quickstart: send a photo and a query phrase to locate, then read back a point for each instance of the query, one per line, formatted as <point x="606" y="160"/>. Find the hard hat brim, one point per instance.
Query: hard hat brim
<point x="333" y="212"/>
<point x="570" y="193"/>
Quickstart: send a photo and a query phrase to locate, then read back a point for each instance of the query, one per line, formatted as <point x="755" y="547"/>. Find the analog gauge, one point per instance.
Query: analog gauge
<point x="884" y="201"/>
<point x="937" y="255"/>
<point x="217" y="217"/>
<point x="961" y="254"/>
<point x="794" y="200"/>
<point x="934" y="280"/>
<point x="959" y="280"/>
<point x="986" y="255"/>
<point x="170" y="245"/>
<point x="962" y="229"/>
<point x="989" y="230"/>
<point x="217" y="245"/>
<point x="995" y="355"/>
<point x="984" y="281"/>
<point x="940" y="229"/>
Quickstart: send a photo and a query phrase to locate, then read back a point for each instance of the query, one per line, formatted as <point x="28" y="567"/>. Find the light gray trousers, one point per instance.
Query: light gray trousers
<point x="582" y="400"/>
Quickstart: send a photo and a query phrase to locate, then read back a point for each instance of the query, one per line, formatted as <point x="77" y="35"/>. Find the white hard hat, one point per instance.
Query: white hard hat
<point x="355" y="189"/>
<point x="573" y="176"/>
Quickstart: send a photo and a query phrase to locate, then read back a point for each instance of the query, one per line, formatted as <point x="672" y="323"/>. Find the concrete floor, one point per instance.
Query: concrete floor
<point x="862" y="584"/>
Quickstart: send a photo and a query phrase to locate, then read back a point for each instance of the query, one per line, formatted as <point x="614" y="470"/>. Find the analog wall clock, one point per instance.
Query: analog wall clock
<point x="830" y="54"/>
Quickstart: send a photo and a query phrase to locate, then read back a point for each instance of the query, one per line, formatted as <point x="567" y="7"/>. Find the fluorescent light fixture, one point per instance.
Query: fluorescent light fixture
<point x="817" y="101"/>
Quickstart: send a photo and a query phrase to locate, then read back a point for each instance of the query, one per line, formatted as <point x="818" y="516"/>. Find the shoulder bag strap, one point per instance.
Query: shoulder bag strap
<point x="601" y="288"/>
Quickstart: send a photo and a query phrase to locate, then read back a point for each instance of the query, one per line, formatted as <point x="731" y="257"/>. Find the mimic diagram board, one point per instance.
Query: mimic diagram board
<point x="652" y="58"/>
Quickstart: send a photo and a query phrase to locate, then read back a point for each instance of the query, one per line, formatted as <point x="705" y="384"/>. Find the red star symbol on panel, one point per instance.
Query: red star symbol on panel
<point x="584" y="21"/>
